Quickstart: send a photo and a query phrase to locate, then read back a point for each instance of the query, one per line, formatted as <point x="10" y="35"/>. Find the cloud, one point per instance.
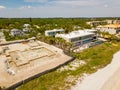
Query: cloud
<point x="36" y="1"/>
<point x="76" y="2"/>
<point x="2" y="7"/>
<point x="106" y="6"/>
<point x="63" y="8"/>
<point x="26" y="7"/>
<point x="68" y="2"/>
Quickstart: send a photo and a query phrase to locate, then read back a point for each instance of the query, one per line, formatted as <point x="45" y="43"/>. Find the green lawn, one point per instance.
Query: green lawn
<point x="96" y="57"/>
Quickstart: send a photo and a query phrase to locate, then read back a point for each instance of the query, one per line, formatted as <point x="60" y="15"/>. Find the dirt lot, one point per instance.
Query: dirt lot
<point x="36" y="66"/>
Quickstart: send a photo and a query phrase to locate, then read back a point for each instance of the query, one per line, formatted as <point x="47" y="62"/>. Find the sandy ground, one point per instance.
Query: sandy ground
<point x="42" y="65"/>
<point x="113" y="83"/>
<point x="107" y="78"/>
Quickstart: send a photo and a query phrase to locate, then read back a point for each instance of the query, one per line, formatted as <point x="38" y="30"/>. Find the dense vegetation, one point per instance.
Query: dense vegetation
<point x="44" y="24"/>
<point x="61" y="22"/>
<point x="52" y="23"/>
<point x="95" y="58"/>
<point x="69" y="24"/>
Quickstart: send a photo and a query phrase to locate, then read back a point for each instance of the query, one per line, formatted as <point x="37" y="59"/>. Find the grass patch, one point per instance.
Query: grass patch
<point x="96" y="57"/>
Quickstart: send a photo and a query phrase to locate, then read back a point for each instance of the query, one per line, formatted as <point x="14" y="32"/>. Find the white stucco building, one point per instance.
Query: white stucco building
<point x="16" y="32"/>
<point x="26" y="25"/>
<point x="113" y="21"/>
<point x="53" y="32"/>
<point x="25" y="30"/>
<point x="91" y="31"/>
<point x="96" y="23"/>
<point x="111" y="28"/>
<point x="79" y="37"/>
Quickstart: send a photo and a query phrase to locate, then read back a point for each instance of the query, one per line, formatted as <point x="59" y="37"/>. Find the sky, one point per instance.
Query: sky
<point x="59" y="8"/>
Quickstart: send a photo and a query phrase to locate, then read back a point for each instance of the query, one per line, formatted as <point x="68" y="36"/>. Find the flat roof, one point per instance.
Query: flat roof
<point x="111" y="25"/>
<point x="96" y="21"/>
<point x="75" y="34"/>
<point x="54" y="30"/>
<point x="90" y="30"/>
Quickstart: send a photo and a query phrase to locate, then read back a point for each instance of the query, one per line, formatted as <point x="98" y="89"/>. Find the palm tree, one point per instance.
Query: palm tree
<point x="57" y="41"/>
<point x="72" y="46"/>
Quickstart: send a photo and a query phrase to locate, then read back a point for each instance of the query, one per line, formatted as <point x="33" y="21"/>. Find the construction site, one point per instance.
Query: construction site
<point x="19" y="61"/>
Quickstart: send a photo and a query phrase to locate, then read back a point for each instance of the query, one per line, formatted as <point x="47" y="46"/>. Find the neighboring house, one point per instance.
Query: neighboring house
<point x="16" y="32"/>
<point x="26" y="30"/>
<point x="53" y="32"/>
<point x="111" y="29"/>
<point x="116" y="22"/>
<point x="91" y="31"/>
<point x="79" y="38"/>
<point x="113" y="21"/>
<point x="26" y="25"/>
<point x="76" y="27"/>
<point x="96" y="23"/>
<point x="109" y="21"/>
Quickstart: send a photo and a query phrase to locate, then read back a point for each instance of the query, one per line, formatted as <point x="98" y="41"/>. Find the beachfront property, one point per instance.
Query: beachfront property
<point x="79" y="37"/>
<point x="111" y="28"/>
<point x="16" y="32"/>
<point x="96" y="23"/>
<point x="53" y="32"/>
<point x="113" y="21"/>
<point x="116" y="22"/>
<point x="104" y="22"/>
<point x="91" y="31"/>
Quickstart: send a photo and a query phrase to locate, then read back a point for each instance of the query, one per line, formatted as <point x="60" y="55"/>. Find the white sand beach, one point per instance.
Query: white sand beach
<point x="107" y="78"/>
